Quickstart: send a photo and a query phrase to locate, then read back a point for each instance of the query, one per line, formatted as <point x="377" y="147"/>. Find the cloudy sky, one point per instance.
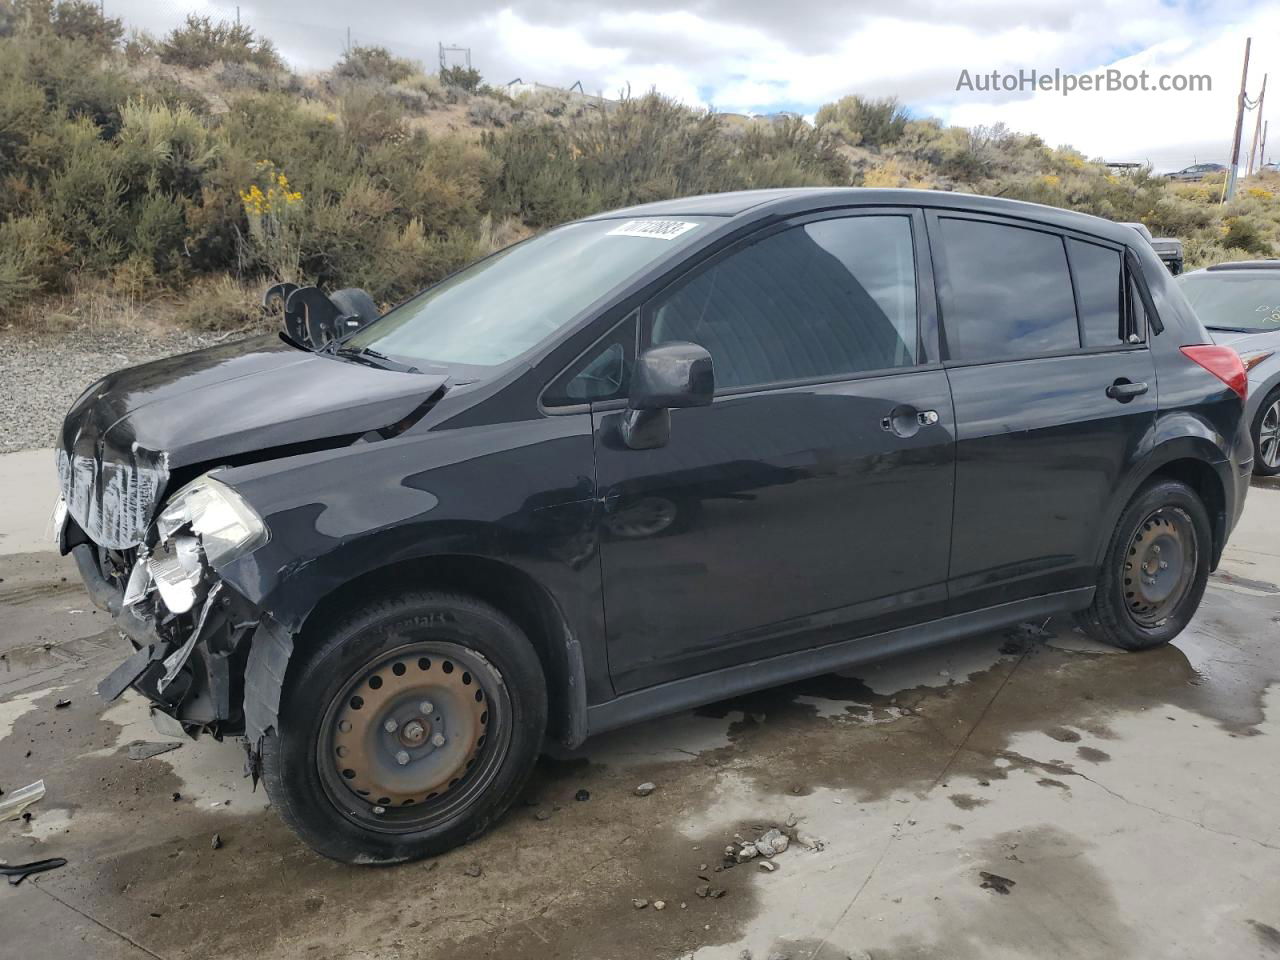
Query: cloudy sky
<point x="761" y="56"/>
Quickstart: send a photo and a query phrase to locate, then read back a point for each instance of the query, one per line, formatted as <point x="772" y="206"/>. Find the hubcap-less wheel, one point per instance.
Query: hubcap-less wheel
<point x="1269" y="436"/>
<point x="1159" y="566"/>
<point x="414" y="736"/>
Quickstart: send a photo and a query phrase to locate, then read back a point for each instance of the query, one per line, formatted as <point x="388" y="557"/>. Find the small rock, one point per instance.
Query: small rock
<point x="993" y="881"/>
<point x="747" y="852"/>
<point x="773" y="842"/>
<point x="62" y="704"/>
<point x="216" y="843"/>
<point x="768" y="866"/>
<point x="542" y="815"/>
<point x="716" y="893"/>
<point x="473" y="870"/>
<point x="792" y="820"/>
<point x="810" y="842"/>
<point x="703" y="890"/>
<point x="779" y="956"/>
<point x="645" y="789"/>
<point x="639" y="904"/>
<point x="659" y="904"/>
<point x="176" y="796"/>
<point x="582" y="795"/>
<point x="729" y="851"/>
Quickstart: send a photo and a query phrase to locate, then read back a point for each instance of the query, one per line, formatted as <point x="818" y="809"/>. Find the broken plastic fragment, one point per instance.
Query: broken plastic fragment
<point x="11" y="807"/>
<point x="17" y="872"/>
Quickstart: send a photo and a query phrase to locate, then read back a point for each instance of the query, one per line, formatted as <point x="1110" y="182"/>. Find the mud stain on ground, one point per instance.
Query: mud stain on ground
<point x="1268" y="935"/>
<point x="1092" y="754"/>
<point x="966" y="801"/>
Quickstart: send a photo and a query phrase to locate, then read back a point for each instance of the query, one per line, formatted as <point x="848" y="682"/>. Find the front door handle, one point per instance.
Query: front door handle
<point x="1125" y="390"/>
<point x="906" y="421"/>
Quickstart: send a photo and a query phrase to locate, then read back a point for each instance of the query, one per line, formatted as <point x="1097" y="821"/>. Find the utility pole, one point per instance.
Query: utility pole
<point x="1257" y="127"/>
<point x="1262" y="149"/>
<point x="237" y="14"/>
<point x="1229" y="188"/>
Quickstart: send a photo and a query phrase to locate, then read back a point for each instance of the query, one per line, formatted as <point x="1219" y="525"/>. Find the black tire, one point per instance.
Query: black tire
<point x="319" y="806"/>
<point x="1260" y="466"/>
<point x="1119" y="617"/>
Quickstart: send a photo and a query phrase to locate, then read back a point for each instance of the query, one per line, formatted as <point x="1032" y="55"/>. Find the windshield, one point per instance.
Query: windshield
<point x="1246" y="301"/>
<point x="500" y="307"/>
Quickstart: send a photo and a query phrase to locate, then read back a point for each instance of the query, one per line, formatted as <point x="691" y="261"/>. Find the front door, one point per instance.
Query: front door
<point x="1055" y="398"/>
<point x="812" y="500"/>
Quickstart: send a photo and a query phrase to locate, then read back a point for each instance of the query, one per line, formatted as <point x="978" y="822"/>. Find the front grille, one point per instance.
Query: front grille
<point x="113" y="501"/>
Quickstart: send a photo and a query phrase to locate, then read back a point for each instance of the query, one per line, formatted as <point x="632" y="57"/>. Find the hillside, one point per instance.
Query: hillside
<point x="167" y="179"/>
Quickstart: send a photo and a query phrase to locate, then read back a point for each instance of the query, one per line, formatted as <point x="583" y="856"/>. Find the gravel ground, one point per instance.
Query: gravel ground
<point x="41" y="376"/>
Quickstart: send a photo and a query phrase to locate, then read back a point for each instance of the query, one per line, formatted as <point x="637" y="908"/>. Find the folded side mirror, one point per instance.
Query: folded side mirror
<point x="667" y="376"/>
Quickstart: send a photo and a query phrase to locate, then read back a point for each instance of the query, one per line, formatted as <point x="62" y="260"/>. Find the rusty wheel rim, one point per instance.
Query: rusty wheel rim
<point x="414" y="736"/>
<point x="1159" y="566"/>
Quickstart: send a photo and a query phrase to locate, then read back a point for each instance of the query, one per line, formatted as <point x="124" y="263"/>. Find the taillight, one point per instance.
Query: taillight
<point x="1224" y="363"/>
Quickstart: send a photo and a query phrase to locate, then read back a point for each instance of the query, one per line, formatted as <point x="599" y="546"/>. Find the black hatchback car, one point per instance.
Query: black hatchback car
<point x="642" y="461"/>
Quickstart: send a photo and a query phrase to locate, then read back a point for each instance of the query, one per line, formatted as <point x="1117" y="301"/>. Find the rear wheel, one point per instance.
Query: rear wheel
<point x="1155" y="569"/>
<point x="1266" y="436"/>
<point x="407" y="729"/>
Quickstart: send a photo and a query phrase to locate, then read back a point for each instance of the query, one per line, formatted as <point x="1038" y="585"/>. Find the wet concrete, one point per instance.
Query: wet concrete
<point x="1133" y="800"/>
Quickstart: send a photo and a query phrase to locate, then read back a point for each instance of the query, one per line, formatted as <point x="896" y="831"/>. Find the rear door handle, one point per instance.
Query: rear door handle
<point x="1124" y="390"/>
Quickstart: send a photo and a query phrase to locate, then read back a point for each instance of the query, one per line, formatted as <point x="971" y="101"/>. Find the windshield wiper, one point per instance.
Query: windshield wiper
<point x="373" y="358"/>
<point x="1211" y="326"/>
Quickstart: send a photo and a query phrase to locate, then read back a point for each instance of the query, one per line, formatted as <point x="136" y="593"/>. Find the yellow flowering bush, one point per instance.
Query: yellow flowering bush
<point x="275" y="222"/>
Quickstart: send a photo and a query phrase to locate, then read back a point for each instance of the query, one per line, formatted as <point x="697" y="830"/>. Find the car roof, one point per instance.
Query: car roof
<point x="1242" y="265"/>
<point x="794" y="201"/>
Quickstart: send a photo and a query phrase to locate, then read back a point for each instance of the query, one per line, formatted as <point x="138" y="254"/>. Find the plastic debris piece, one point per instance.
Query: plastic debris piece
<point x="11" y="806"/>
<point x="17" y="872"/>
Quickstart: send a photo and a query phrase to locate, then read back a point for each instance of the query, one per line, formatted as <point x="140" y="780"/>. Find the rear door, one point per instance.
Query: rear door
<point x="1055" y="396"/>
<point x="811" y="501"/>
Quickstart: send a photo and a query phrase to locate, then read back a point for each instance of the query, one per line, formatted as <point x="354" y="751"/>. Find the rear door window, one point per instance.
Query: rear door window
<point x="1008" y="293"/>
<point x="825" y="299"/>
<point x="1100" y="292"/>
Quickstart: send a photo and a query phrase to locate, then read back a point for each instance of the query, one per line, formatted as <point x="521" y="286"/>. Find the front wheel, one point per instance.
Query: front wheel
<point x="406" y="729"/>
<point x="1155" y="569"/>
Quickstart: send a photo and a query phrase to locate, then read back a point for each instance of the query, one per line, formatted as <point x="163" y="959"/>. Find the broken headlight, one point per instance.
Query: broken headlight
<point x="224" y="524"/>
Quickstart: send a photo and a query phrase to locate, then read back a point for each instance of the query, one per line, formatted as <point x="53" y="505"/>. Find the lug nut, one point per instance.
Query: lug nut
<point x="426" y="707"/>
<point x="1164" y="564"/>
<point x="390" y="726"/>
<point x="379" y="810"/>
<point x="402" y="757"/>
<point x="438" y="740"/>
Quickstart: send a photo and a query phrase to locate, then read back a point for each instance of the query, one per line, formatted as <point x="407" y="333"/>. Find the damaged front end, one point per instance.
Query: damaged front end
<point x="190" y="630"/>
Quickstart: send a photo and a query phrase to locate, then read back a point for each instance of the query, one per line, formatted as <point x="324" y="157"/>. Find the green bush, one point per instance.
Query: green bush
<point x="464" y="78"/>
<point x="861" y="121"/>
<point x="31" y="259"/>
<point x="202" y="42"/>
<point x="375" y="63"/>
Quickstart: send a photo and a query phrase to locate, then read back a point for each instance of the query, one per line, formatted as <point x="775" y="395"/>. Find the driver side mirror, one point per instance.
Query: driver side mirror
<point x="668" y="376"/>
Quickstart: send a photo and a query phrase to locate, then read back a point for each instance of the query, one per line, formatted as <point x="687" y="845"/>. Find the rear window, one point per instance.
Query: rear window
<point x="1008" y="292"/>
<point x="1099" y="276"/>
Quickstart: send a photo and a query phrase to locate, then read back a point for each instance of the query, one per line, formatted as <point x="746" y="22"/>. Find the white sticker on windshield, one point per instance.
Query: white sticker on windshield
<point x="657" y="229"/>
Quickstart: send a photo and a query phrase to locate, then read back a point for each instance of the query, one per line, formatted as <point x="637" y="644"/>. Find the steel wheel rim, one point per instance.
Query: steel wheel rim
<point x="357" y="751"/>
<point x="1269" y="436"/>
<point x="1159" y="566"/>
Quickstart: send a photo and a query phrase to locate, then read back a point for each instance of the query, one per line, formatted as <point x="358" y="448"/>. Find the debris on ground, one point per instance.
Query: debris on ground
<point x="582" y="794"/>
<point x="473" y="870"/>
<point x="13" y="805"/>
<point x="216" y="842"/>
<point x="659" y="904"/>
<point x="639" y="904"/>
<point x="62" y="704"/>
<point x="645" y="789"/>
<point x="769" y="844"/>
<point x="542" y="815"/>
<point x="810" y="842"/>
<point x="993" y="881"/>
<point x="17" y="872"/>
<point x="791" y="820"/>
<point x="176" y="796"/>
<point x="772" y="842"/>
<point x="768" y="866"/>
<point x="146" y="749"/>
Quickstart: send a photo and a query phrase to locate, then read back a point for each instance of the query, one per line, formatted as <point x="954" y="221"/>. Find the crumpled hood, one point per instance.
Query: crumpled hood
<point x="124" y="436"/>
